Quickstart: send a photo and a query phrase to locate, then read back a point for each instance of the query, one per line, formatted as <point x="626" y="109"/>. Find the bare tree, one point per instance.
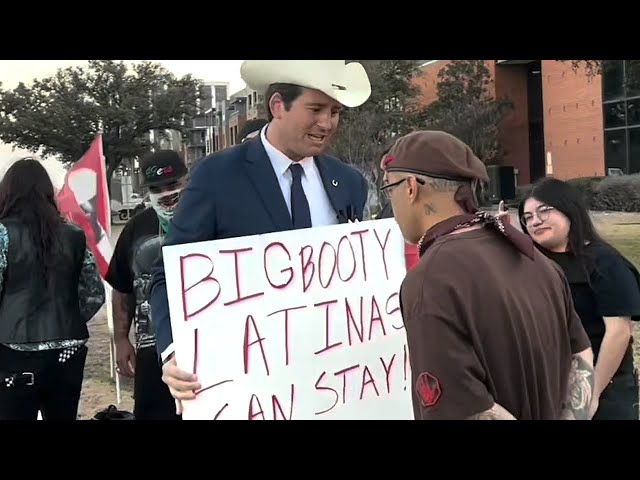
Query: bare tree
<point x="390" y="111"/>
<point x="60" y="115"/>
<point x="592" y="68"/>
<point x="467" y="109"/>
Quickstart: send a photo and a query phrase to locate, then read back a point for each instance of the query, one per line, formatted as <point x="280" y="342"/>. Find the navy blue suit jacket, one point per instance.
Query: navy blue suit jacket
<point x="235" y="193"/>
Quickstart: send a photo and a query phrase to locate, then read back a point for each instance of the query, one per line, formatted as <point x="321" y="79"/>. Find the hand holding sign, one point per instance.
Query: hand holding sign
<point x="293" y="325"/>
<point x="182" y="385"/>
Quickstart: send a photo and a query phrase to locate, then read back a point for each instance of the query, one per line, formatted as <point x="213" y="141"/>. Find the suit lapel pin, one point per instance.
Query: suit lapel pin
<point x="334" y="183"/>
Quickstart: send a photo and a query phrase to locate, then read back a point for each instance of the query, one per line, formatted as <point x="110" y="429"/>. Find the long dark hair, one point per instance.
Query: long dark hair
<point x="27" y="195"/>
<point x="567" y="199"/>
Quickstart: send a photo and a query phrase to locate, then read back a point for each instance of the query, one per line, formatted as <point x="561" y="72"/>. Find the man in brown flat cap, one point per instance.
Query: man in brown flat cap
<point x="491" y="328"/>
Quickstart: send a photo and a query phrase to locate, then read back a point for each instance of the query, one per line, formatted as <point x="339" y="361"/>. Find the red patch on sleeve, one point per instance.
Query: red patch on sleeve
<point x="428" y="389"/>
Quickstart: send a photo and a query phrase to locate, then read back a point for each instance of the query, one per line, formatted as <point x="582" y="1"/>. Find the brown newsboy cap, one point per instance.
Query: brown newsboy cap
<point x="435" y="154"/>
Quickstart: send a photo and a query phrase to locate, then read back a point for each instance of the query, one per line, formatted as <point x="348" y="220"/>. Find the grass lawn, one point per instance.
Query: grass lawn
<point x="626" y="238"/>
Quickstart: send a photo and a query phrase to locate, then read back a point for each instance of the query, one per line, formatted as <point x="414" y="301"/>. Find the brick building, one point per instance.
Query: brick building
<point x="564" y="122"/>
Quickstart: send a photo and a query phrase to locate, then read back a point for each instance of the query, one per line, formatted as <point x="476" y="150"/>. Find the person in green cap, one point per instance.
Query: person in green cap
<point x="164" y="174"/>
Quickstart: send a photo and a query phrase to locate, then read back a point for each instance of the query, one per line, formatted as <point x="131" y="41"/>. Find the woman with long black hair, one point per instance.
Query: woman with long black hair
<point x="605" y="287"/>
<point x="49" y="289"/>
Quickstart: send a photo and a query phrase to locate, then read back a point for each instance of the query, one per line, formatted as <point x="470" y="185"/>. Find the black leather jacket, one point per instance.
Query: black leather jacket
<point x="33" y="310"/>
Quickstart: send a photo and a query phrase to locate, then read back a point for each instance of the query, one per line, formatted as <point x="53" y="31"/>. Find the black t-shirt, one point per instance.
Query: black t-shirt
<point x="137" y="248"/>
<point x="609" y="287"/>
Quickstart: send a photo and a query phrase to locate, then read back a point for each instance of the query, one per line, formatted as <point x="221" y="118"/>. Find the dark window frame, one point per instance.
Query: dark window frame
<point x="625" y="101"/>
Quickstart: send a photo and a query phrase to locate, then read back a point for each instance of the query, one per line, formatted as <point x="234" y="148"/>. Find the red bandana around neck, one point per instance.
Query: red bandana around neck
<point x="519" y="240"/>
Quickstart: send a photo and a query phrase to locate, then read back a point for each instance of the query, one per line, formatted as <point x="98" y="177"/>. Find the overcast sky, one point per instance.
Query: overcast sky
<point x="14" y="71"/>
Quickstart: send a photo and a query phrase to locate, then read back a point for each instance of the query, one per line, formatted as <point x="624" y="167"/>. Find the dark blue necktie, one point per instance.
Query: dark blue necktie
<point x="300" y="213"/>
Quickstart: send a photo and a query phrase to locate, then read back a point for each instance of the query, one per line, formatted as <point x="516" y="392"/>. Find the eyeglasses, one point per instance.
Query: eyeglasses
<point x="542" y="212"/>
<point x="386" y="189"/>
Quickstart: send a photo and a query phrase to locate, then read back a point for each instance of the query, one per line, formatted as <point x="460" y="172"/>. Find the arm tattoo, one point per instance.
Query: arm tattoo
<point x="580" y="390"/>
<point x="122" y="314"/>
<point x="497" y="412"/>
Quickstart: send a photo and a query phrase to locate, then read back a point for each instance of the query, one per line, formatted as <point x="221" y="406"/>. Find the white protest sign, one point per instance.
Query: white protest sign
<point x="303" y="324"/>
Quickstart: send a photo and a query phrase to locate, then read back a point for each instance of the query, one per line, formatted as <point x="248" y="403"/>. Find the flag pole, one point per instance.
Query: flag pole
<point x="108" y="290"/>
<point x="112" y="344"/>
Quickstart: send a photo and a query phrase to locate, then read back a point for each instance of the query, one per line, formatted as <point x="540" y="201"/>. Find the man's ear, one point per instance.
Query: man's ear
<point x="276" y="105"/>
<point x="414" y="191"/>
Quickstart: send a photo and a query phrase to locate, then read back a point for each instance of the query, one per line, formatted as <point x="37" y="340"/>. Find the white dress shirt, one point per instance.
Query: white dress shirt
<point x="322" y="212"/>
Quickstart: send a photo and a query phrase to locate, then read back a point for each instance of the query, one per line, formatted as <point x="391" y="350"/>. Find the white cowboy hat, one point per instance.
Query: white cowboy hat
<point x="348" y="83"/>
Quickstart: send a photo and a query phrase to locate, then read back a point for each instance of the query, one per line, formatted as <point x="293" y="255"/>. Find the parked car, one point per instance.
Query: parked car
<point x="122" y="212"/>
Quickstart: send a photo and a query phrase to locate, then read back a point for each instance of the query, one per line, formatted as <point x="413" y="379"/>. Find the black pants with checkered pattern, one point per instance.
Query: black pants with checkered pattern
<point x="56" y="388"/>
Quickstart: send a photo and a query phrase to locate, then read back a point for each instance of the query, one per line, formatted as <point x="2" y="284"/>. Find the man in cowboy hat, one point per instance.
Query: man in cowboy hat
<point x="280" y="180"/>
<point x="491" y="328"/>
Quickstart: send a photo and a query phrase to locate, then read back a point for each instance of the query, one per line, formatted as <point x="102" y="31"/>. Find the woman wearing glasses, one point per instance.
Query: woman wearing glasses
<point x="605" y="287"/>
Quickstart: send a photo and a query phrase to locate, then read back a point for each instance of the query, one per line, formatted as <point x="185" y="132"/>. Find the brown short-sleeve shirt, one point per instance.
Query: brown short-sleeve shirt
<point x="486" y="324"/>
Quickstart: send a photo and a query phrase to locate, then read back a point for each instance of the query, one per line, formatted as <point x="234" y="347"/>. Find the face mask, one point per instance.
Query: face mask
<point x="165" y="203"/>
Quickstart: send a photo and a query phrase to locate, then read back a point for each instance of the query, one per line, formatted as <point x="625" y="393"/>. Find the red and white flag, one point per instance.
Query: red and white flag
<point x="84" y="201"/>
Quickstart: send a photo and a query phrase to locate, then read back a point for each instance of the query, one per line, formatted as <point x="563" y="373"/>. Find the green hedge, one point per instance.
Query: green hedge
<point x="587" y="187"/>
<point x="614" y="194"/>
<point x="618" y="193"/>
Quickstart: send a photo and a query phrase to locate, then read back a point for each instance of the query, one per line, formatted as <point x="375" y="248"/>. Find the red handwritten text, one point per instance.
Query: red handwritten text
<point x="184" y="262"/>
<point x="320" y="266"/>
<point x="246" y="347"/>
<point x="357" y="382"/>
<point x="350" y="304"/>
<point x="239" y="298"/>
<point x="256" y="410"/>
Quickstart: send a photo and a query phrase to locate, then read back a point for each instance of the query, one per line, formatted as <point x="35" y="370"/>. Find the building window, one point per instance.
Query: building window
<point x="621" y="111"/>
<point x="613" y="80"/>
<point x="634" y="149"/>
<point x="616" y="148"/>
<point x="615" y="115"/>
